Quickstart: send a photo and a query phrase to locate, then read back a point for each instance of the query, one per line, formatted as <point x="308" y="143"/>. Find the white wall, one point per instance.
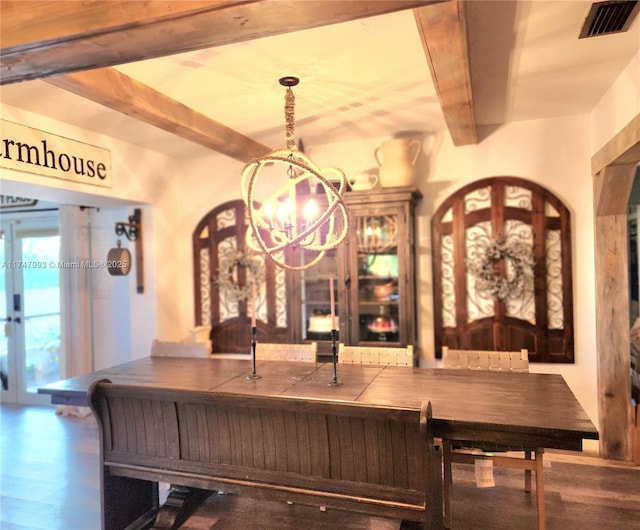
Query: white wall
<point x="110" y="294"/>
<point x="618" y="106"/>
<point x="192" y="190"/>
<point x="124" y="321"/>
<point x="137" y="173"/>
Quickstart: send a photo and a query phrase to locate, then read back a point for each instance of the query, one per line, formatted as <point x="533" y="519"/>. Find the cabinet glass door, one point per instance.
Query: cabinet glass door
<point x="315" y="296"/>
<point x="378" y="295"/>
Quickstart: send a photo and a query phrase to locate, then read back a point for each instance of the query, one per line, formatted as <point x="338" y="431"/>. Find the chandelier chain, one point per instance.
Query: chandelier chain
<point x="289" y="117"/>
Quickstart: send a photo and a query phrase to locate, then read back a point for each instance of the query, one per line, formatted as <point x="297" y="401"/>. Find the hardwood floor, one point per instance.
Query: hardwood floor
<point x="49" y="475"/>
<point x="49" y="480"/>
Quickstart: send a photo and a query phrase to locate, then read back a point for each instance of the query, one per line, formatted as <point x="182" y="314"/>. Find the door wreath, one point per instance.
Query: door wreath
<point x="227" y="277"/>
<point x="519" y="263"/>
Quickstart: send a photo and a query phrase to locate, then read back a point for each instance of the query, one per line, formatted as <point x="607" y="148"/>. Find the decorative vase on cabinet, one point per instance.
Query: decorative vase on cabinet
<point x="397" y="158"/>
<point x="375" y="271"/>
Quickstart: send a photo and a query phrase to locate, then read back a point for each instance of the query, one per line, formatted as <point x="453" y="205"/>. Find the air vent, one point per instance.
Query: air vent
<point x="609" y="17"/>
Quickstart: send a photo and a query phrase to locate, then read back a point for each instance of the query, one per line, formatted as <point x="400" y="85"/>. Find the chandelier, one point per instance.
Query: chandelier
<point x="293" y="230"/>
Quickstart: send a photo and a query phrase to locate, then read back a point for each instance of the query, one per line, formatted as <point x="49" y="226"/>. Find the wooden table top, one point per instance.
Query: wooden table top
<point x="513" y="404"/>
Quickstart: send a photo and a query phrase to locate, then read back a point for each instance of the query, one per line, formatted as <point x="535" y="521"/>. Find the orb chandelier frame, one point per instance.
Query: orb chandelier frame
<point x="294" y="226"/>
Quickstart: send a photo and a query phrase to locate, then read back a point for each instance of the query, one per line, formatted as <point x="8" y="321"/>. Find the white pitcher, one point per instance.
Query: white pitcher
<point x="363" y="181"/>
<point x="397" y="161"/>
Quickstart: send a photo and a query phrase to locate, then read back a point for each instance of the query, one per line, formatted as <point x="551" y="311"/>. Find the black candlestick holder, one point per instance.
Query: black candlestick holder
<point x="334" y="353"/>
<point x="253" y="374"/>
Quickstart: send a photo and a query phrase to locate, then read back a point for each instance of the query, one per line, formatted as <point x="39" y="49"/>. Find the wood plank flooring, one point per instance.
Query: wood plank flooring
<point x="49" y="480"/>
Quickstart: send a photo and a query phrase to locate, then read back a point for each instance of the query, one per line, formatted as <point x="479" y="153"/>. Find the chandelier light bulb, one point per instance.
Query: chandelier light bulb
<point x="310" y="210"/>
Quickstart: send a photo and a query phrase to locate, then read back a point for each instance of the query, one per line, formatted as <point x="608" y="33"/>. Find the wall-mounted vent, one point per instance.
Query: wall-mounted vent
<point x="604" y="18"/>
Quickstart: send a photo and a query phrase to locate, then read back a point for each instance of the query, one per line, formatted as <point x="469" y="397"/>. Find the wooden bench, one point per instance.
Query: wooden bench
<point x="373" y="460"/>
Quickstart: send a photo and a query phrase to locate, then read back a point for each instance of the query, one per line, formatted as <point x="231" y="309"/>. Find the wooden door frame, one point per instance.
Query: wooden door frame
<point x="501" y="331"/>
<point x="613" y="168"/>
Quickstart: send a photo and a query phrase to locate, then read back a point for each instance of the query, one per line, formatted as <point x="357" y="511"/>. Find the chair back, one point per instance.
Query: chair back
<point x="306" y="352"/>
<point x="375" y="355"/>
<point x="180" y="349"/>
<point x="505" y="361"/>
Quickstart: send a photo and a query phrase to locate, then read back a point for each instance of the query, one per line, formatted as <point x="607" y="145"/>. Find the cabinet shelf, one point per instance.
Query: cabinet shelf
<point x="376" y="303"/>
<point x="388" y="250"/>
<point x="320" y="280"/>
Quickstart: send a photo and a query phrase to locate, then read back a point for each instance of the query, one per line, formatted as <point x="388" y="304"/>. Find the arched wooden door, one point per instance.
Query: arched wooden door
<point x="501" y="228"/>
<point x="222" y="279"/>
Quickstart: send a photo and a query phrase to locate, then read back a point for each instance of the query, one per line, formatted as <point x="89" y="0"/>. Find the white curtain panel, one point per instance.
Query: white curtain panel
<point x="76" y="309"/>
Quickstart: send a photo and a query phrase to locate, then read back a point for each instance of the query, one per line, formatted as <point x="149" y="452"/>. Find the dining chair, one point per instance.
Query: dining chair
<point x="306" y="352"/>
<point x="375" y="355"/>
<point x="160" y="348"/>
<point x="468" y="452"/>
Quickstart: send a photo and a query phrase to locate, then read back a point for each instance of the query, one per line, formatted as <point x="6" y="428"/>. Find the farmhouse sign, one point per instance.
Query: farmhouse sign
<point x="33" y="151"/>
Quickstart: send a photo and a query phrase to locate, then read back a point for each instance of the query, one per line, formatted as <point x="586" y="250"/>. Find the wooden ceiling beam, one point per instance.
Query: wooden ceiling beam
<point x="443" y="31"/>
<point x="45" y="38"/>
<point x="117" y="91"/>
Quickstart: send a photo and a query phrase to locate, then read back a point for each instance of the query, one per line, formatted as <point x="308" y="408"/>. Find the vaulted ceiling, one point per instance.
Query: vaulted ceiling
<point x="189" y="77"/>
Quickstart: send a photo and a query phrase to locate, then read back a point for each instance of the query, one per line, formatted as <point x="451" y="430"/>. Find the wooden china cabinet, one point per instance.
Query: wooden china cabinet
<point x="374" y="277"/>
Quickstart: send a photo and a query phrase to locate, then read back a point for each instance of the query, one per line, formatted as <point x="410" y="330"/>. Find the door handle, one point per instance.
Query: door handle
<point x="8" y="319"/>
<point x="17" y="320"/>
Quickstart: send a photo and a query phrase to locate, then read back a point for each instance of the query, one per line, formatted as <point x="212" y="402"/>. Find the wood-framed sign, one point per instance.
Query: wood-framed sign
<point x="30" y="150"/>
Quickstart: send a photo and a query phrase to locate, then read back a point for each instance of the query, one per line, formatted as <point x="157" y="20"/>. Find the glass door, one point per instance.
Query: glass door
<point x="315" y="297"/>
<point x="8" y="392"/>
<point x="30" y="349"/>
<point x="378" y="297"/>
<point x="311" y="293"/>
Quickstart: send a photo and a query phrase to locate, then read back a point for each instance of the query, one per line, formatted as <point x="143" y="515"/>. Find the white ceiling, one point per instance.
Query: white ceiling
<point x="365" y="79"/>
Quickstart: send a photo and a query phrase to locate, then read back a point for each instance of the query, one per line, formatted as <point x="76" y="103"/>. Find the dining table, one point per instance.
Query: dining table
<point x="533" y="409"/>
<point x="515" y="409"/>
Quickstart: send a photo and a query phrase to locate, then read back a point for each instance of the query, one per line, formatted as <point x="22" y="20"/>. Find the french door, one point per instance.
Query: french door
<point x="30" y="308"/>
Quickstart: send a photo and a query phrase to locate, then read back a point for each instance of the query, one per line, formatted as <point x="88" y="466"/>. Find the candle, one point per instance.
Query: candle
<point x="253" y="302"/>
<point x="333" y="310"/>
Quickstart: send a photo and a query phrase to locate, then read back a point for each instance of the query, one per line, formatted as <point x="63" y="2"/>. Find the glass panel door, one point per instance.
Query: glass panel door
<point x="311" y="293"/>
<point x="315" y="296"/>
<point x="32" y="301"/>
<point x="8" y="392"/>
<point x="378" y="275"/>
<point x="41" y="292"/>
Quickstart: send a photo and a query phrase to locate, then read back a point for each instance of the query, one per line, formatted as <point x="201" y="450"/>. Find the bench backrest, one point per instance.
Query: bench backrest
<point x="345" y="455"/>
